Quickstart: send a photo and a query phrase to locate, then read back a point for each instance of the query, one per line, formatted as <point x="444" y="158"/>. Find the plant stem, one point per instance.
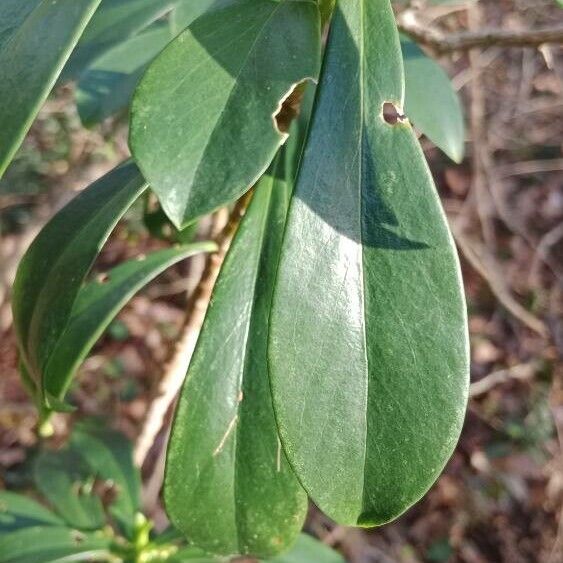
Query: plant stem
<point x="442" y="43"/>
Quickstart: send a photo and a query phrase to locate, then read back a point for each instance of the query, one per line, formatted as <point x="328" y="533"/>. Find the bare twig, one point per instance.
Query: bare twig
<point x="487" y="268"/>
<point x="543" y="251"/>
<point x="176" y="368"/>
<point x="481" y="155"/>
<point x="530" y="167"/>
<point x="519" y="372"/>
<point x="442" y="43"/>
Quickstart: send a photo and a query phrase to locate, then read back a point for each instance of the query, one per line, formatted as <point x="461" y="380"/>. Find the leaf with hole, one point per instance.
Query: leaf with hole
<point x="36" y="38"/>
<point x="431" y="103"/>
<point x="368" y="351"/>
<point x="52" y="271"/>
<point x="203" y="125"/>
<point x="228" y="486"/>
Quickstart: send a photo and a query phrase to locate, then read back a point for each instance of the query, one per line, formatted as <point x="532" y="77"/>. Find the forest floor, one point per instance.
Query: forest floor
<point x="500" y="497"/>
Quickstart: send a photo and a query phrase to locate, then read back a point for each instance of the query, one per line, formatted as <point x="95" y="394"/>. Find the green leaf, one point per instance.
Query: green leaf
<point x="98" y="303"/>
<point x="187" y="11"/>
<point x="18" y="511"/>
<point x="67" y="482"/>
<point x="195" y="555"/>
<point x="368" y="350"/>
<point x="160" y="227"/>
<point x="109" y="457"/>
<point x="106" y="87"/>
<point x="431" y="103"/>
<point x="228" y="486"/>
<point x="114" y="22"/>
<point x="52" y="271"/>
<point x="36" y="38"/>
<point x="202" y="120"/>
<point x="51" y="544"/>
<point x="307" y="550"/>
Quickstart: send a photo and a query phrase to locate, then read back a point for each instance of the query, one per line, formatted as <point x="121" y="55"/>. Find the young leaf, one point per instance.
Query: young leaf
<point x="431" y="103"/>
<point x="203" y="125"/>
<point x="52" y="271"/>
<point x="306" y="550"/>
<point x="18" y="511"/>
<point x="67" y="482"/>
<point x="36" y="38"/>
<point x="228" y="486"/>
<point x="368" y="337"/>
<point x="109" y="457"/>
<point x="96" y="306"/>
<point x="40" y="544"/>
<point x="106" y="87"/>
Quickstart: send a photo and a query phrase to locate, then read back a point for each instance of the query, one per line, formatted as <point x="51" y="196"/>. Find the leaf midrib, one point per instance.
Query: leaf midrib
<point x="246" y="355"/>
<point x="361" y="225"/>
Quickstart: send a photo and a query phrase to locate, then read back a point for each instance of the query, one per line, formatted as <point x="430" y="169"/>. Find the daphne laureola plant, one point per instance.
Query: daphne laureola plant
<point x="333" y="360"/>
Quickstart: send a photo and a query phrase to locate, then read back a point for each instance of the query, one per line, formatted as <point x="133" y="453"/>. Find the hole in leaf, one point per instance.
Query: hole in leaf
<point x="102" y="278"/>
<point x="289" y="106"/>
<point x="391" y="114"/>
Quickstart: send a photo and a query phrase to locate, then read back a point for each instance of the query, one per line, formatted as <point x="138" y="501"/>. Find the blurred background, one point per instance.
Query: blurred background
<point x="500" y="497"/>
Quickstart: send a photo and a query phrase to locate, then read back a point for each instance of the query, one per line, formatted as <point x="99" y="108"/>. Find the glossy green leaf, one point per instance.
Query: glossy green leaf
<point x="52" y="271"/>
<point x="107" y="86"/>
<point x="109" y="456"/>
<point x="18" y="511"/>
<point x="228" y="486"/>
<point x="203" y="124"/>
<point x="67" y="482"/>
<point x="114" y="22"/>
<point x="307" y="550"/>
<point x="117" y="21"/>
<point x="431" y="103"/>
<point x="39" y="544"/>
<point x="187" y="11"/>
<point x="368" y="338"/>
<point x="36" y="38"/>
<point x="96" y="306"/>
